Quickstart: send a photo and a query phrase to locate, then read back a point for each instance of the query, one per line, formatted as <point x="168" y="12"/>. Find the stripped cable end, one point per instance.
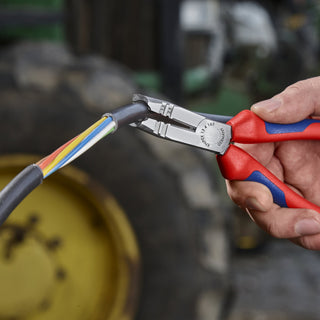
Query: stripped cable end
<point x="33" y="175"/>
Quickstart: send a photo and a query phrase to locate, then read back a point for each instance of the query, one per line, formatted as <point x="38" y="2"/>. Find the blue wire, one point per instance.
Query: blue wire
<point x="80" y="145"/>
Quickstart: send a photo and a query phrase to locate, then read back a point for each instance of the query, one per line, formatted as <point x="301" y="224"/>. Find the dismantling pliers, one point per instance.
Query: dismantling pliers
<point x="218" y="133"/>
<point x="166" y="120"/>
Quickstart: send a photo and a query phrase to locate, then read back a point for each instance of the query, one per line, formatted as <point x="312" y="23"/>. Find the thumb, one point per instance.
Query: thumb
<point x="295" y="103"/>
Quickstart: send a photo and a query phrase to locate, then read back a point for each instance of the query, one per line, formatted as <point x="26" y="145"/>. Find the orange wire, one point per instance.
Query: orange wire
<point x="47" y="160"/>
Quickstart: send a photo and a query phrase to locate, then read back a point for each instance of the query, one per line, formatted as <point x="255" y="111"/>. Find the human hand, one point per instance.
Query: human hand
<point x="297" y="163"/>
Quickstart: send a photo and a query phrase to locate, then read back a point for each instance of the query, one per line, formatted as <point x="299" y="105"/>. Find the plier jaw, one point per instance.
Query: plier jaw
<point x="184" y="126"/>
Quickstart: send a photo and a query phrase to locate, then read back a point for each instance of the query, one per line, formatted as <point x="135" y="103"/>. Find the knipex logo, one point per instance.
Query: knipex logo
<point x="204" y="133"/>
<point x="212" y="136"/>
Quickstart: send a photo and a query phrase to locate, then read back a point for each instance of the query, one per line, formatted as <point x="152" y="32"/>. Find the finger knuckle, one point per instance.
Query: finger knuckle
<point x="235" y="197"/>
<point x="301" y="87"/>
<point x="308" y="242"/>
<point x="273" y="228"/>
<point x="233" y="193"/>
<point x="294" y="89"/>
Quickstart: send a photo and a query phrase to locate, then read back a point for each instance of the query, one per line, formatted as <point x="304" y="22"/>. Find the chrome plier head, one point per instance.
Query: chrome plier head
<point x="178" y="124"/>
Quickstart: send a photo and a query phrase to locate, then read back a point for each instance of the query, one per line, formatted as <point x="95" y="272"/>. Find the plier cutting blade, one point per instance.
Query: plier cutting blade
<point x="209" y="132"/>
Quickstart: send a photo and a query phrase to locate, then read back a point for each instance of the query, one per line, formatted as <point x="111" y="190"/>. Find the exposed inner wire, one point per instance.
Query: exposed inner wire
<point x="76" y="146"/>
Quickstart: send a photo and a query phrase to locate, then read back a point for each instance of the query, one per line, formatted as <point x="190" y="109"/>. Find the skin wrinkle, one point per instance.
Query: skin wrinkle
<point x="302" y="93"/>
<point x="295" y="164"/>
<point x="311" y="242"/>
<point x="282" y="229"/>
<point x="271" y="225"/>
<point x="279" y="230"/>
<point x="301" y="163"/>
<point x="286" y="174"/>
<point x="276" y="168"/>
<point x="314" y="83"/>
<point x="313" y="193"/>
<point x="262" y="152"/>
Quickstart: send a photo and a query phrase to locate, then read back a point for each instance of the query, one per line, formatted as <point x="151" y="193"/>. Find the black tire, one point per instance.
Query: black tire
<point x="176" y="282"/>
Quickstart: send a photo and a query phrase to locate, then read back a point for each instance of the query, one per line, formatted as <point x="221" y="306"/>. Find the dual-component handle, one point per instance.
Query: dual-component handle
<point x="236" y="164"/>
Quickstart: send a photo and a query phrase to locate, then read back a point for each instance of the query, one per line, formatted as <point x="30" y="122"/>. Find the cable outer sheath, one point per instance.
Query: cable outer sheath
<point x="18" y="189"/>
<point x="130" y="113"/>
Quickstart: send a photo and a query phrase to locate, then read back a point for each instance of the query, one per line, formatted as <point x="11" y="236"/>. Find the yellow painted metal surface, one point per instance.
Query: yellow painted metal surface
<point x="66" y="252"/>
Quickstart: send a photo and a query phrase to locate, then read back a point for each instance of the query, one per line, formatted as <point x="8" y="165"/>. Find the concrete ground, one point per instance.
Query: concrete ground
<point x="280" y="283"/>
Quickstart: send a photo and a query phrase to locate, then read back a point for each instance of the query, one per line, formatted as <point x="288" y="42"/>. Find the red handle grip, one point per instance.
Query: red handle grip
<point x="236" y="164"/>
<point x="249" y="128"/>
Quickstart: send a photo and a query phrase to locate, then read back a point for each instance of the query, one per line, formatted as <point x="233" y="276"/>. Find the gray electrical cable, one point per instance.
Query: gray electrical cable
<point x="18" y="189"/>
<point x="130" y="113"/>
<point x="32" y="176"/>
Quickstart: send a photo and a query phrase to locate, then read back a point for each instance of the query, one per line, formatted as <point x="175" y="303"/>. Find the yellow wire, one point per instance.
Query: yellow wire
<point x="71" y="146"/>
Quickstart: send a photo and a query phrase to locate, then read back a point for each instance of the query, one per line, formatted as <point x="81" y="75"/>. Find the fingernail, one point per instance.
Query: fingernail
<point x="268" y="105"/>
<point x="254" y="204"/>
<point x="307" y="227"/>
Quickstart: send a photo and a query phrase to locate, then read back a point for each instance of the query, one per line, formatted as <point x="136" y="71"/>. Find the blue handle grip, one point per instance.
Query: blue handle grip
<point x="278" y="195"/>
<point x="276" y="128"/>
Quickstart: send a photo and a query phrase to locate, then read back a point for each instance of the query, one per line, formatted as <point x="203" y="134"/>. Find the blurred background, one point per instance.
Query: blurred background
<point x="141" y="228"/>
